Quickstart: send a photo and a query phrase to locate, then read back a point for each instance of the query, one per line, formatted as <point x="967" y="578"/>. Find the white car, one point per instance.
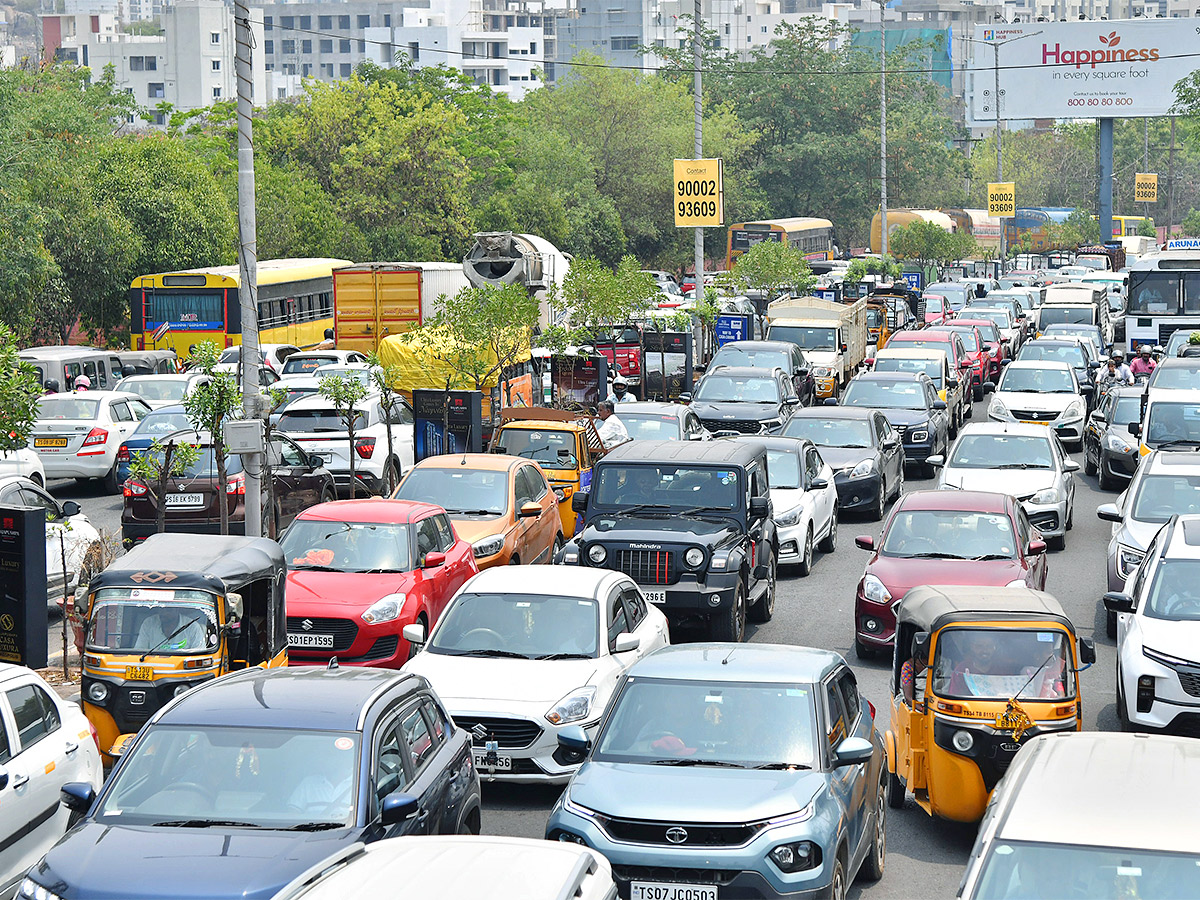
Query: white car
<point x="77" y="433"/>
<point x="23" y="462"/>
<point x="1010" y="331"/>
<point x="273" y="355"/>
<point x="314" y="424"/>
<point x="522" y="651"/>
<point x="1041" y="392"/>
<point x="162" y="390"/>
<point x="306" y="362"/>
<point x="45" y="743"/>
<point x="80" y="541"/>
<point x="1026" y="461"/>
<point x="1158" y="632"/>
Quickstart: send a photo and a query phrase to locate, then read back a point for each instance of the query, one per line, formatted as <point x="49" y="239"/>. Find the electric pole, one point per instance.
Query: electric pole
<point x="699" y="148"/>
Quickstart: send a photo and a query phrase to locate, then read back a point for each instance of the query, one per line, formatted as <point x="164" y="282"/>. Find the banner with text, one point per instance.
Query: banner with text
<point x="699" y="193"/>
<point x="1145" y="187"/>
<point x="1002" y="199"/>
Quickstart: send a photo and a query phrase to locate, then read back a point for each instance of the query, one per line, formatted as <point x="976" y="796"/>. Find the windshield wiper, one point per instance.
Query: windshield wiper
<point x="781" y="766"/>
<point x="314" y="826"/>
<point x="934" y="554"/>
<point x="988" y="556"/>
<point x="642" y="507"/>
<point x="309" y="568"/>
<point x="704" y="510"/>
<point x="565" y="656"/>
<point x="472" y="512"/>
<point x="693" y="761"/>
<point x="205" y="823"/>
<point x="495" y="652"/>
<point x="1179" y="442"/>
<point x="377" y="571"/>
<point x="1019" y="466"/>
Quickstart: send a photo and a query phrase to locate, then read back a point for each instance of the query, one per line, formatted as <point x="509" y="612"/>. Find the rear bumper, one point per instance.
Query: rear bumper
<point x="136" y="532"/>
<point x="73" y="466"/>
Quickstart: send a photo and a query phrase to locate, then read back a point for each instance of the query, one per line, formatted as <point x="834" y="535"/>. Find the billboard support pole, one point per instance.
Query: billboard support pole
<point x="698" y="235"/>
<point x="999" y="156"/>
<point x="1106" y="171"/>
<point x="883" y="198"/>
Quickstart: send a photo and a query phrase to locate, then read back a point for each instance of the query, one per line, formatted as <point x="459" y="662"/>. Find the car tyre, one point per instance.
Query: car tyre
<point x="829" y="543"/>
<point x="559" y="543"/>
<point x="730" y="625"/>
<point x="1089" y="467"/>
<point x="327" y="495"/>
<point x="899" y="485"/>
<point x="1110" y="623"/>
<point x="109" y="480"/>
<point x="806" y="559"/>
<point x="977" y="393"/>
<point x="837" y="883"/>
<point x="391" y="478"/>
<point x="872" y="865"/>
<point x="896" y="792"/>
<point x="764" y="609"/>
<point x="36" y="478"/>
<point x="1070" y="515"/>
<point x="880" y="504"/>
<point x="862" y="651"/>
<point x="1057" y="543"/>
<point x="1105" y="481"/>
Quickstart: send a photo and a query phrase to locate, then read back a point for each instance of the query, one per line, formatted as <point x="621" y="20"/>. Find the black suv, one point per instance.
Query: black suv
<point x="691" y="523"/>
<point x="744" y="399"/>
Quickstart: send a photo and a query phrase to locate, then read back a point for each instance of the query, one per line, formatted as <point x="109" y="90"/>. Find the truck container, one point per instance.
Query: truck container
<point x="832" y="335"/>
<point x="374" y="300"/>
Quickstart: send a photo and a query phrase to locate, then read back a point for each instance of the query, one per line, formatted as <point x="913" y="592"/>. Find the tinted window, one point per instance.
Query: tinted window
<point x="835" y="730"/>
<point x="428" y="538"/>
<point x="848" y="688"/>
<point x="445" y="533"/>
<point x="437" y="721"/>
<point x="635" y="606"/>
<point x="421" y="746"/>
<point x="5" y="744"/>
<point x="34" y="712"/>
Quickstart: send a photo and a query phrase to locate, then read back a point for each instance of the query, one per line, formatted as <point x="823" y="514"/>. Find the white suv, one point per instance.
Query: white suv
<point x="314" y="424"/>
<point x="1158" y="633"/>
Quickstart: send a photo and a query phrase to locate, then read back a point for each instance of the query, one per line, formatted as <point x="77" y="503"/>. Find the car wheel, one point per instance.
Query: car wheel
<point x="1110" y="623"/>
<point x="1089" y="467"/>
<point x="880" y="505"/>
<point x="424" y="623"/>
<point x="872" y="866"/>
<point x="36" y="478"/>
<point x="895" y="792"/>
<point x="1070" y="515"/>
<point x="327" y="494"/>
<point x="899" y="485"/>
<point x="110" y="482"/>
<point x="837" y="884"/>
<point x="730" y="624"/>
<point x="764" y="609"/>
<point x="862" y="651"/>
<point x="829" y="544"/>
<point x="1057" y="543"/>
<point x="806" y="560"/>
<point x="559" y="543"/>
<point x="1106" y="482"/>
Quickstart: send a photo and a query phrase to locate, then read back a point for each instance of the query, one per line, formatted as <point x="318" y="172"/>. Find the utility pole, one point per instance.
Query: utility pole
<point x="1171" y="182"/>
<point x="1146" y="160"/>
<point x="248" y="258"/>
<point x="883" y="200"/>
<point x="999" y="155"/>
<point x="699" y="148"/>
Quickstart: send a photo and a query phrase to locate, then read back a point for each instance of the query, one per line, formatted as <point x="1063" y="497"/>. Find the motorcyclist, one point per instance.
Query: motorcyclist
<point x="1145" y="363"/>
<point x="620" y="391"/>
<point x="1119" y="356"/>
<point x="1111" y="377"/>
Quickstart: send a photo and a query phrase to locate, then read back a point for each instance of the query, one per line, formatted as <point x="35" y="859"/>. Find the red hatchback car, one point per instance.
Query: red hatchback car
<point x="943" y="537"/>
<point x="360" y="570"/>
<point x="993" y="346"/>
<point x="977" y="352"/>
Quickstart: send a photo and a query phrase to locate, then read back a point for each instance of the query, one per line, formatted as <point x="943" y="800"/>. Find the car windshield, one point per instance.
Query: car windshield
<point x="931" y="367"/>
<point x="1171" y="421"/>
<point x="998" y="317"/>
<point x="1079" y="315"/>
<point x="1175" y="591"/>
<point x="830" y="432"/>
<point x="530" y="625"/>
<point x="696" y="723"/>
<point x="949" y="534"/>
<point x="1002" y="451"/>
<point x="1018" y="869"/>
<point x="205" y="465"/>
<point x="718" y="388"/>
<point x="347" y="546"/>
<point x="153" y="620"/>
<point x="968" y="338"/>
<point x="69" y="407"/>
<point x="304" y="364"/>
<point x="1129" y="409"/>
<point x="312" y="421"/>
<point x="277" y="778"/>
<point x="361" y="375"/>
<point x="783" y="469"/>
<point x="669" y="486"/>
<point x="1002" y="663"/>
<point x="765" y="358"/>
<point x="804" y="336"/>
<point x="553" y="449"/>
<point x="651" y="427"/>
<point x="158" y="424"/>
<point x="460" y="491"/>
<point x="1036" y="381"/>
<point x="885" y="394"/>
<point x="1159" y="497"/>
<point x="1176" y="377"/>
<point x="155" y="390"/>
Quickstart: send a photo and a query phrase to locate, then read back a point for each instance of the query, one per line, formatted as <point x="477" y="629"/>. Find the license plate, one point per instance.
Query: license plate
<point x="322" y="641"/>
<point x="646" y="890"/>
<point x="184" y="500"/>
<point x="502" y="763"/>
<point x="139" y="673"/>
<point x="655" y="596"/>
<point x="324" y="457"/>
<point x="1033" y="422"/>
<point x="50" y="442"/>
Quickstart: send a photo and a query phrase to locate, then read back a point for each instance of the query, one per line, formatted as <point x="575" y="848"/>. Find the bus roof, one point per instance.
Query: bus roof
<point x="1168" y="259"/>
<point x="793" y="224"/>
<point x="270" y="271"/>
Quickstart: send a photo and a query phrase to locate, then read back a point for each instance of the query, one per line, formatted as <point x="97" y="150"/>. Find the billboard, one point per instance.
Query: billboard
<point x="1071" y="70"/>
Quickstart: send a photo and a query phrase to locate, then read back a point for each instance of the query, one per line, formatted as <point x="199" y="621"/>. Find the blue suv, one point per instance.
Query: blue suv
<point x="244" y="782"/>
<point x="747" y="770"/>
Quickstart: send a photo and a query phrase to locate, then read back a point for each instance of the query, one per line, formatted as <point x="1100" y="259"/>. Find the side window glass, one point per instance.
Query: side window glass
<point x="428" y="538"/>
<point x="120" y="412"/>
<point x="289" y="454"/>
<point x="139" y="410"/>
<point x="445" y="533"/>
<point x="417" y="735"/>
<point x="437" y="721"/>
<point x="89" y="369"/>
<point x="523" y="492"/>
<point x="848" y="688"/>
<point x="37" y="499"/>
<point x="617" y="621"/>
<point x="1023" y="527"/>
<point x="35" y="716"/>
<point x="836" y="728"/>
<point x="635" y="607"/>
<point x="5" y="743"/>
<point x="537" y="483"/>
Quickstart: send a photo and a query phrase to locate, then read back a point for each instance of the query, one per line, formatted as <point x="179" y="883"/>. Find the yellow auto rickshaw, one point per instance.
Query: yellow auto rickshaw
<point x="976" y="672"/>
<point x="565" y="444"/>
<point x="177" y="610"/>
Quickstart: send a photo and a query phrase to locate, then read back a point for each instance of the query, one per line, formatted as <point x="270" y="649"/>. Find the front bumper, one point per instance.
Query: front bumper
<point x="1120" y="465"/>
<point x="379" y="646"/>
<point x="1048" y="518"/>
<point x="918" y="452"/>
<point x="874" y="623"/>
<point x="1067" y="431"/>
<point x="857" y="493"/>
<point x="536" y="761"/>
<point x="791" y="542"/>
<point x="1176" y="699"/>
<point x="691" y="595"/>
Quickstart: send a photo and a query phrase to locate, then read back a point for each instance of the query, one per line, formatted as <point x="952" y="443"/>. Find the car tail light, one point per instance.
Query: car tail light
<point x="122" y="454"/>
<point x="871" y="707"/>
<point x="95" y="735"/>
<point x="236" y="484"/>
<point x="134" y="489"/>
<point x="365" y="447"/>
<point x="95" y="436"/>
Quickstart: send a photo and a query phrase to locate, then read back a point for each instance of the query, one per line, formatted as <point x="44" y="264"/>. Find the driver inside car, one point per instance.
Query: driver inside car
<point x="166" y="629"/>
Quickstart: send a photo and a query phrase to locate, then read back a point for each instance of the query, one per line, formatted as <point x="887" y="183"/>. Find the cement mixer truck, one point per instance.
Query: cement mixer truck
<point x="499" y="258"/>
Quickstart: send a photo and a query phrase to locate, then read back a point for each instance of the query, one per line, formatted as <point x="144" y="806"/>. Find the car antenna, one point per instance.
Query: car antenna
<point x="333" y="663"/>
<point x="463" y="462"/>
<point x="725" y="661"/>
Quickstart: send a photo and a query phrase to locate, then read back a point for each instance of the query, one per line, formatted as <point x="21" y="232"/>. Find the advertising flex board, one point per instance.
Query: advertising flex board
<point x="1114" y="68"/>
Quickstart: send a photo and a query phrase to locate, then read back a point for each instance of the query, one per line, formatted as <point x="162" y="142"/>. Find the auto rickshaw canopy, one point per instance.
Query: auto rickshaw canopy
<point x="223" y="563"/>
<point x="930" y="608"/>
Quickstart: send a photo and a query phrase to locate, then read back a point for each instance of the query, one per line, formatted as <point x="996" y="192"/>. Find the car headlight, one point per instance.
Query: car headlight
<point x="768" y="424"/>
<point x="694" y="558"/>
<point x="34" y="891"/>
<point x="181" y="689"/>
<point x="97" y="692"/>
<point x="1128" y="559"/>
<point x="574" y="707"/>
<point x="874" y="590"/>
<point x="597" y="554"/>
<point x="821" y="372"/>
<point x="963" y="741"/>
<point x="1073" y="411"/>
<point x="796" y="857"/>
<point x="385" y="609"/>
<point x="1114" y="444"/>
<point x="998" y="409"/>
<point x="791" y="517"/>
<point x="489" y="546"/>
<point x="1045" y="495"/>
<point x="866" y="467"/>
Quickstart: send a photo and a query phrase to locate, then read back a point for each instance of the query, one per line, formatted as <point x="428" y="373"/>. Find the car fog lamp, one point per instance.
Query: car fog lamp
<point x="694" y="558"/>
<point x="872" y="625"/>
<point x="566" y="837"/>
<point x="714" y="600"/>
<point x="597" y="554"/>
<point x="181" y="689"/>
<point x="963" y="741"/>
<point x="98" y="691"/>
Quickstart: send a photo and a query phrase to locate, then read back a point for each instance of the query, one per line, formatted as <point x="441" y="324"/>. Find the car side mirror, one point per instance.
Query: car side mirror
<point x="685" y="397"/>
<point x="1108" y="512"/>
<point x="965" y="364"/>
<point x="937" y="460"/>
<point x="819" y="484"/>
<point x="1118" y="602"/>
<point x="843" y="348"/>
<point x="759" y="507"/>
<point x="529" y="510"/>
<point x="939" y="404"/>
<point x="852" y="752"/>
<point x="989" y="387"/>
<point x="1087" y="651"/>
<point x="1035" y="548"/>
<point x="574" y="738"/>
<point x="77" y="796"/>
<point x="1097" y="416"/>
<point x="830" y="401"/>
<point x="314" y="461"/>
<point x="952" y="382"/>
<point x="626" y="642"/>
<point x="1070" y="465"/>
<point x="70" y="508"/>
<point x="864" y="542"/>
<point x="398" y="807"/>
<point x="802" y="372"/>
<point x="579" y="501"/>
<point x="433" y="559"/>
<point x="791" y="401"/>
<point x="1094" y="364"/>
<point x="414" y="634"/>
<point x="1135" y="428"/>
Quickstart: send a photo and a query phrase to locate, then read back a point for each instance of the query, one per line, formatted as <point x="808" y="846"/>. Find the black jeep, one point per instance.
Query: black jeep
<point x="689" y="522"/>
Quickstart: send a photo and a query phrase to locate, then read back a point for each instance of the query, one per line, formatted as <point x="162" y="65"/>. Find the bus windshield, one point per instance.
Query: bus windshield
<point x="1154" y="292"/>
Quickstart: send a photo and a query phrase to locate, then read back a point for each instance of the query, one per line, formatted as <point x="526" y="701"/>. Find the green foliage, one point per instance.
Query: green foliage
<point x="926" y="242"/>
<point x="871" y="265"/>
<point x="345" y="392"/>
<point x="1191" y="224"/>
<point x="384" y="380"/>
<point x="1078" y="229"/>
<point x="211" y="405"/>
<point x="596" y="295"/>
<point x="157" y="464"/>
<point x="1146" y="228"/>
<point x="771" y="266"/>
<point x="20" y="390"/>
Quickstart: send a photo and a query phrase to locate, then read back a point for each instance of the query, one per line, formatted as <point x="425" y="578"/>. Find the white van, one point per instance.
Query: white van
<point x="1077" y="303"/>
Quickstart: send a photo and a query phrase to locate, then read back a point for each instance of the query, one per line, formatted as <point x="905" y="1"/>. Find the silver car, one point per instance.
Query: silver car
<point x="1027" y="460"/>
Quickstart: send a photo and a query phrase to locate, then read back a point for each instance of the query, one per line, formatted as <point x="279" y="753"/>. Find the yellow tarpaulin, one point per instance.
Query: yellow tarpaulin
<point x="421" y="364"/>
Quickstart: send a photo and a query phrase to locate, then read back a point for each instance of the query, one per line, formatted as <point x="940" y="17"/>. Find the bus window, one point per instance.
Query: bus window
<point x="206" y="309"/>
<point x="1191" y="293"/>
<point x="1155" y="292"/>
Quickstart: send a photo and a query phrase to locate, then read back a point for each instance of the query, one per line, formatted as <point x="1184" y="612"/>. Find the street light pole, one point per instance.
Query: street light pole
<point x="883" y="198"/>
<point x="699" y="148"/>
<point x="999" y="155"/>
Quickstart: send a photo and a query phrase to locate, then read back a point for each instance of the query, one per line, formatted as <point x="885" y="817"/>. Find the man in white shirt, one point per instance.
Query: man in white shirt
<point x="157" y="628"/>
<point x="611" y="429"/>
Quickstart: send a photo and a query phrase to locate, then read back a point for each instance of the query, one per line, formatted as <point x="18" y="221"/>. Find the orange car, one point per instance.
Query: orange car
<point x="502" y="504"/>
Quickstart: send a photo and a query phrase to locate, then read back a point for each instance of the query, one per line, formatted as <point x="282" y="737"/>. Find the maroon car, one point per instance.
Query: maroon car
<point x="943" y="537"/>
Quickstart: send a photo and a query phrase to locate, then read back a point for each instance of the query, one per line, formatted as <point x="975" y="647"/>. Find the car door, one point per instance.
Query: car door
<point x="652" y="630"/>
<point x="827" y="496"/>
<point x="401" y="424"/>
<point x="843" y="781"/>
<point x="758" y="487"/>
<point x="938" y="418"/>
<point x="866" y="776"/>
<point x="59" y="540"/>
<point x="538" y="531"/>
<point x="427" y="779"/>
<point x="459" y="558"/>
<point x="891" y="450"/>
<point x="297" y="484"/>
<point x="822" y="507"/>
<point x="1035" y="564"/>
<point x="122" y="423"/>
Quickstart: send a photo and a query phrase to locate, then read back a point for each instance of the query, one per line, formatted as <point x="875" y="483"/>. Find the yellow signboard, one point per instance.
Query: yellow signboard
<point x="1002" y="199"/>
<point x="699" y="193"/>
<point x="1145" y="187"/>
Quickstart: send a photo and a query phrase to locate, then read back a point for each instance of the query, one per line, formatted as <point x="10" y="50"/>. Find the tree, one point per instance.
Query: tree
<point x="345" y="392"/>
<point x="927" y="243"/>
<point x="1191" y="224"/>
<point x="383" y="379"/>
<point x="870" y="265"/>
<point x="20" y="391"/>
<point x="210" y="406"/>
<point x="771" y="266"/>
<point x="154" y="467"/>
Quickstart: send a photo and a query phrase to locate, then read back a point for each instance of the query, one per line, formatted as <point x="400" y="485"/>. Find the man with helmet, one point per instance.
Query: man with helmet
<point x="1145" y="363"/>
<point x="1122" y="368"/>
<point x="620" y="391"/>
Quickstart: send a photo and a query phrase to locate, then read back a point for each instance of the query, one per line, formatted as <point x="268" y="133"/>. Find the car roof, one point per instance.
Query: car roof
<point x="7" y="480"/>
<point x="1017" y="428"/>
<point x="1175" y="395"/>
<point x="60" y="351"/>
<point x="651" y="407"/>
<point x="176" y="409"/>
<point x="374" y="510"/>
<point x="772" y="663"/>
<point x="921" y="335"/>
<point x="796" y="444"/>
<point x="932" y="606"/>
<point x="1051" y="797"/>
<point x="702" y="452"/>
<point x="1156" y="461"/>
<point x="97" y="395"/>
<point x="162" y="376"/>
<point x="1180" y="362"/>
<point x="1182" y="538"/>
<point x="319" y="402"/>
<point x="911" y="353"/>
<point x="491" y="462"/>
<point x="891" y="376"/>
<point x="781" y="346"/>
<point x="966" y="501"/>
<point x="563" y="581"/>
<point x="746" y="371"/>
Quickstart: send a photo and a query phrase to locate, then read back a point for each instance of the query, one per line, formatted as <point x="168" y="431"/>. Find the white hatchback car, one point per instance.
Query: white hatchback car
<point x="78" y="433"/>
<point x="45" y="742"/>
<point x="23" y="462"/>
<point x="522" y="651"/>
<point x="1041" y="392"/>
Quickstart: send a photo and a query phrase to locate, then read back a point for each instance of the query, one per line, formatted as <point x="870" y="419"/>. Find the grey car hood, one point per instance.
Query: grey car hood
<point x="1137" y="534"/>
